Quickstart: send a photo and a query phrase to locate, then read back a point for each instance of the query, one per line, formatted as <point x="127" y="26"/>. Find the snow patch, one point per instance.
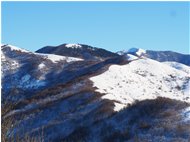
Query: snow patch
<point x="73" y="46"/>
<point x="9" y="65"/>
<point x="28" y="82"/>
<point x="118" y="106"/>
<point x="130" y="57"/>
<point x="41" y="66"/>
<point x="57" y="58"/>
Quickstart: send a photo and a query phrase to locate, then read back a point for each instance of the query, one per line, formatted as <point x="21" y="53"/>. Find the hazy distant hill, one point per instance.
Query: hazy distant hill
<point x="163" y="56"/>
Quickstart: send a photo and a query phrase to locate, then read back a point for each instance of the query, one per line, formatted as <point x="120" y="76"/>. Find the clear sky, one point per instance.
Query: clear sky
<point x="111" y="25"/>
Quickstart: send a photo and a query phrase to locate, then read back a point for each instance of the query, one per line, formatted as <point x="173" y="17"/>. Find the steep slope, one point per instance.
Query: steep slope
<point x="57" y="98"/>
<point x="78" y="50"/>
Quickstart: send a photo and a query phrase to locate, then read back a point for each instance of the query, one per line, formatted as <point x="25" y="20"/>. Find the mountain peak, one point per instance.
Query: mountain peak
<point x="136" y="51"/>
<point x="133" y="51"/>
<point x="13" y="48"/>
<point x="78" y="50"/>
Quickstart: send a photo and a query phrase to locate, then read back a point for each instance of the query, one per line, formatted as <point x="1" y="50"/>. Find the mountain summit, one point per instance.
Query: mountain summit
<point x="78" y="50"/>
<point x="133" y="51"/>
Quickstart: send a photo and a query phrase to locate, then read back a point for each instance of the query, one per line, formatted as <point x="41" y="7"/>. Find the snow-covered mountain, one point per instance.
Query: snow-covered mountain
<point x="78" y="50"/>
<point x="118" y="98"/>
<point x="133" y="51"/>
<point x="161" y="56"/>
<point x="28" y="69"/>
<point x="164" y="56"/>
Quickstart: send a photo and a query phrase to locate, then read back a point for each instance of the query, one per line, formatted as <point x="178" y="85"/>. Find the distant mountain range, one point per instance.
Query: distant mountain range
<point x="76" y="92"/>
<point x="89" y="52"/>
<point x="163" y="56"/>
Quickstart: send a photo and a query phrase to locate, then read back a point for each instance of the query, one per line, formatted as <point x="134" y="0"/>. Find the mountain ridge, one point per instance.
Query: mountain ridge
<point x="83" y="51"/>
<point x="95" y="53"/>
<point x="163" y="56"/>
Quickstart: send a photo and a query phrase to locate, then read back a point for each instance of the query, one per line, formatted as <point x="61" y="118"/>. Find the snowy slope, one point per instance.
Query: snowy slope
<point x="130" y="57"/>
<point x="178" y="66"/>
<point x="141" y="79"/>
<point x="13" y="48"/>
<point x="29" y="70"/>
<point x="57" y="58"/>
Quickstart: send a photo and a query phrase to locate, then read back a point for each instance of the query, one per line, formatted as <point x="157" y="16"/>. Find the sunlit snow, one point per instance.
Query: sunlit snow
<point x="73" y="46"/>
<point x="14" y="48"/>
<point x="57" y="58"/>
<point x="178" y="66"/>
<point x="139" y="80"/>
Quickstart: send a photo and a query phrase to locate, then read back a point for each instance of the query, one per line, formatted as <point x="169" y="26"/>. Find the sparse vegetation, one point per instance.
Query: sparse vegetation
<point x="139" y="122"/>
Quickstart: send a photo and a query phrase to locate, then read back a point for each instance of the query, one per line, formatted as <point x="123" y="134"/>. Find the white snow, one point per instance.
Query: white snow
<point x="3" y="56"/>
<point x="139" y="80"/>
<point x="41" y="66"/>
<point x="14" y="48"/>
<point x="136" y="51"/>
<point x="29" y="82"/>
<point x="73" y="46"/>
<point x="178" y="66"/>
<point x="130" y="57"/>
<point x="57" y="58"/>
<point x="54" y="58"/>
<point x="118" y="106"/>
<point x="9" y="65"/>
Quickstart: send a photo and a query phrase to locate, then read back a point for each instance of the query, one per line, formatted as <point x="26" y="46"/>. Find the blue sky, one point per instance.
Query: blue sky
<point x="111" y="25"/>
